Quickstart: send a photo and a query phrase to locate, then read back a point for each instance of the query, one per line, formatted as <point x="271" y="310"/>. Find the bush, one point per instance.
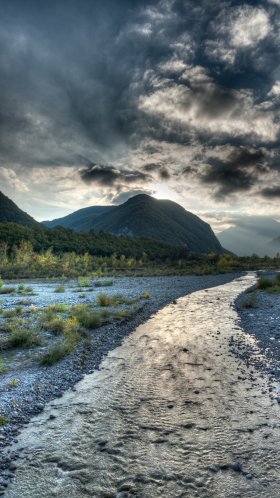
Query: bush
<point x="7" y="290"/>
<point x="269" y="284"/>
<point x="60" y="289"/>
<point x="58" y="308"/>
<point x="146" y="295"/>
<point x="84" y="281"/>
<point x="3" y="421"/>
<point x="24" y="338"/>
<point x="86" y="317"/>
<point x="250" y="301"/>
<point x="104" y="283"/>
<point x="3" y="368"/>
<point x="1" y="282"/>
<point x="56" y="353"/>
<point x="265" y="282"/>
<point x="55" y="325"/>
<point x="106" y="300"/>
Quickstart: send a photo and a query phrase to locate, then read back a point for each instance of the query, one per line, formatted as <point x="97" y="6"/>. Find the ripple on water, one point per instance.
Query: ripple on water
<point x="167" y="416"/>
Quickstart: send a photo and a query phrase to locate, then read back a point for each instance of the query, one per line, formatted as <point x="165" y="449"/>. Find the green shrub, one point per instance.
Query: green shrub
<point x="3" y="421"/>
<point x="55" y="325"/>
<point x="104" y="283"/>
<point x="3" y="368"/>
<point x="1" y="282"/>
<point x="106" y="300"/>
<point x="7" y="290"/>
<point x="250" y="301"/>
<point x="13" y="312"/>
<point x="13" y="383"/>
<point x="60" y="289"/>
<point x="56" y="353"/>
<point x="274" y="288"/>
<point x="84" y="281"/>
<point x="146" y="295"/>
<point x="24" y="338"/>
<point x="58" y="308"/>
<point x="265" y="282"/>
<point x="86" y="317"/>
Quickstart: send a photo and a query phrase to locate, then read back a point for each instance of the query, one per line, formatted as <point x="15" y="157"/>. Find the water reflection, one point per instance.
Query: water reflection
<point x="172" y="413"/>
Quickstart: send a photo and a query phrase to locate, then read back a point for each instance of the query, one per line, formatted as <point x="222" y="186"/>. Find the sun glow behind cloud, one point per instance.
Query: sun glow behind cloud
<point x="178" y="99"/>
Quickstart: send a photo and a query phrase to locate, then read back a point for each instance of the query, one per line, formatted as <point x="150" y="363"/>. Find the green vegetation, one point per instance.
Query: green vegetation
<point x="12" y="312"/>
<point x="250" y="301"/>
<point x="24" y="338"/>
<point x="57" y="352"/>
<point x="60" y="289"/>
<point x="3" y="367"/>
<point x="13" y="383"/>
<point x="27" y="252"/>
<point x="270" y="284"/>
<point x="7" y="290"/>
<point x="104" y="283"/>
<point x="84" y="281"/>
<point x="3" y="421"/>
<point x="86" y="317"/>
<point x="58" y="308"/>
<point x="146" y="295"/>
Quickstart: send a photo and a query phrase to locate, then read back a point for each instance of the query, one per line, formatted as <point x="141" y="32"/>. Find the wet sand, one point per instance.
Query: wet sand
<point x="172" y="413"/>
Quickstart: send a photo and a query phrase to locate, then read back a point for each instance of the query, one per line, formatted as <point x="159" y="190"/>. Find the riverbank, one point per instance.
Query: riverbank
<point x="37" y="385"/>
<point x="259" y="315"/>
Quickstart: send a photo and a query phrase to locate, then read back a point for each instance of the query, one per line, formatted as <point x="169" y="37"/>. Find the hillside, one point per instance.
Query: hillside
<point x="144" y="216"/>
<point x="11" y="213"/>
<point x="64" y="240"/>
<point x="81" y="220"/>
<point x="252" y="235"/>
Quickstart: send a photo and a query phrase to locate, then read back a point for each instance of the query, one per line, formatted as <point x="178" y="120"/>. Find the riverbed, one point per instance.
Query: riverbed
<point x="172" y="412"/>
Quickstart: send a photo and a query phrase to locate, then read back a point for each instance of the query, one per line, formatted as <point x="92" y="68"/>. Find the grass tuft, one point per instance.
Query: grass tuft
<point x="250" y="301"/>
<point x="60" y="289"/>
<point x="24" y="338"/>
<point x="3" y="421"/>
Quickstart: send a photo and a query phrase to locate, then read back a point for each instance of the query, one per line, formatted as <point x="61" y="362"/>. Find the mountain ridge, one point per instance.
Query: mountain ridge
<point x="144" y="216"/>
<point x="10" y="212"/>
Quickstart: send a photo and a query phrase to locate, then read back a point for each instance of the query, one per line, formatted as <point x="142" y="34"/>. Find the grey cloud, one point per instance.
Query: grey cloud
<point x="109" y="175"/>
<point x="271" y="192"/>
<point x="238" y="173"/>
<point x="162" y="171"/>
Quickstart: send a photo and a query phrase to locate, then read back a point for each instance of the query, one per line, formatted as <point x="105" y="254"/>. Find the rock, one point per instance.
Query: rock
<point x="13" y="466"/>
<point x="249" y="476"/>
<point x="52" y="417"/>
<point x="237" y="467"/>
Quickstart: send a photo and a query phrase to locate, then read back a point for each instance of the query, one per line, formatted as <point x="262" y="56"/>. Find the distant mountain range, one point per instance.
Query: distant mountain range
<point x="252" y="235"/>
<point x="144" y="216"/>
<point x="10" y="212"/>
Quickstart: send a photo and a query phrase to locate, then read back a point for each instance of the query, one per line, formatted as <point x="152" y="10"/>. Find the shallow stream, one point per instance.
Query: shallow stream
<point x="171" y="413"/>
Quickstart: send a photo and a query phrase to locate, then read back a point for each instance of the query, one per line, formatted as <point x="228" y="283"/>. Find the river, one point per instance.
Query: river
<point x="171" y="413"/>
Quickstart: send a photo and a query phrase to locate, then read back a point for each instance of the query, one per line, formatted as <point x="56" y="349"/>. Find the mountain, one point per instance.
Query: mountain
<point x="252" y="235"/>
<point x="81" y="220"/>
<point x="10" y="212"/>
<point x="144" y="216"/>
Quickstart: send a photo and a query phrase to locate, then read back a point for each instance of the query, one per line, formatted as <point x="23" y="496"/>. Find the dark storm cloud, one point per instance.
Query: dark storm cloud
<point x="162" y="171"/>
<point x="271" y="192"/>
<point x="108" y="175"/>
<point x="238" y="173"/>
<point x="104" y="79"/>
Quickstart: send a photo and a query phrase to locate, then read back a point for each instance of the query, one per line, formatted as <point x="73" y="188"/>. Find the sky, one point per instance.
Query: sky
<point x="105" y="99"/>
